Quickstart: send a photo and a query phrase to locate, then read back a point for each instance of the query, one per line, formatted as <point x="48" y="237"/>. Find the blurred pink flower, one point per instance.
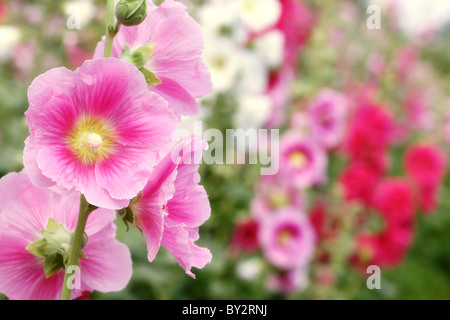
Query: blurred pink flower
<point x="173" y="206"/>
<point x="272" y="194"/>
<point x="303" y="163"/>
<point x="287" y="239"/>
<point x="327" y="114"/>
<point x="177" y="57"/>
<point x="245" y="235"/>
<point x="106" y="131"/>
<point x="25" y="211"/>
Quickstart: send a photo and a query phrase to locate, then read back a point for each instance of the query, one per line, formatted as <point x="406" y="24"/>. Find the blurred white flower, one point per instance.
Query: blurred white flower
<point x="82" y="11"/>
<point x="252" y="112"/>
<point x="258" y="15"/>
<point x="253" y="74"/>
<point x="221" y="57"/>
<point x="218" y="19"/>
<point x="270" y="46"/>
<point x="249" y="269"/>
<point x="9" y="39"/>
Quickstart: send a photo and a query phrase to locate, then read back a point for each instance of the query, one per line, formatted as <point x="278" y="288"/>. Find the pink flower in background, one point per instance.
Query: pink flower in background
<point x="3" y="11"/>
<point x="287" y="239"/>
<point x="177" y="57"/>
<point x="302" y="162"/>
<point x="426" y="165"/>
<point x="296" y="23"/>
<point x="327" y="114"/>
<point x="370" y="133"/>
<point x="26" y="212"/>
<point x="271" y="194"/>
<point x="173" y="206"/>
<point x="105" y="135"/>
<point x="394" y="199"/>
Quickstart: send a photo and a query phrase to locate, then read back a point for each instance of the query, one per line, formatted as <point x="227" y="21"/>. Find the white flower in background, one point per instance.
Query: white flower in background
<point x="252" y="111"/>
<point x="258" y="15"/>
<point x="218" y="19"/>
<point x="418" y="17"/>
<point x="82" y="11"/>
<point x="270" y="46"/>
<point x="249" y="269"/>
<point x="222" y="59"/>
<point x="194" y="125"/>
<point x="9" y="39"/>
<point x="253" y="74"/>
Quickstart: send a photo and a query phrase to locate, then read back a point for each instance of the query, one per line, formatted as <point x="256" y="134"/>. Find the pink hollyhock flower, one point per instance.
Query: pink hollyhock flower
<point x="105" y="135"/>
<point x="426" y="165"/>
<point x="3" y="11"/>
<point x="394" y="199"/>
<point x="288" y="282"/>
<point x="327" y="114"/>
<point x="287" y="239"/>
<point x="26" y="214"/>
<point x="172" y="207"/>
<point x="177" y="56"/>
<point x="296" y="22"/>
<point x="272" y="194"/>
<point x="358" y="181"/>
<point x="370" y="133"/>
<point x="302" y="162"/>
<point x="245" y="235"/>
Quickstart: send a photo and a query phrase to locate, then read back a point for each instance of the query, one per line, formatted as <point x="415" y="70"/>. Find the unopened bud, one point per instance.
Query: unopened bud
<point x="131" y="12"/>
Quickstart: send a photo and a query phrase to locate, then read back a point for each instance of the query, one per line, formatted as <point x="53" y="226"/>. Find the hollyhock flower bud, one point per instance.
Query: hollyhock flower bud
<point x="172" y="207"/>
<point x="287" y="239"/>
<point x="131" y="12"/>
<point x="106" y="134"/>
<point x="175" y="69"/>
<point x="36" y="227"/>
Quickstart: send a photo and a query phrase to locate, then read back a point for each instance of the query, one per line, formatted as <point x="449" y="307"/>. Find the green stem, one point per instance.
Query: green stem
<point x="75" y="250"/>
<point x="111" y="28"/>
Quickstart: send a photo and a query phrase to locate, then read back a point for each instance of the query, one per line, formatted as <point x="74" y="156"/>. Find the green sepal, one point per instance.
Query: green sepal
<point x="36" y="248"/>
<point x="53" y="263"/>
<point x="150" y="77"/>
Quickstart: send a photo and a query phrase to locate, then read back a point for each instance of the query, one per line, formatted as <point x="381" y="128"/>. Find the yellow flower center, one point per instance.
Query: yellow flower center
<point x="91" y="140"/>
<point x="285" y="236"/>
<point x="278" y="200"/>
<point x="298" y="159"/>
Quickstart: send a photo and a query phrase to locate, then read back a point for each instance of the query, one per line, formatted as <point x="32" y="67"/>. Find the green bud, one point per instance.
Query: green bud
<point x="131" y="12"/>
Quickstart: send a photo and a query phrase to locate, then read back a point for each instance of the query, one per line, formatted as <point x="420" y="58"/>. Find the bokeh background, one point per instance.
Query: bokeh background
<point x="271" y="82"/>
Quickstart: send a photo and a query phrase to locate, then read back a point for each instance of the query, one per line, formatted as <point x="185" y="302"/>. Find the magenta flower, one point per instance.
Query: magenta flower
<point x="172" y="207"/>
<point x="287" y="239"/>
<point x="303" y="163"/>
<point x="97" y="129"/>
<point x="327" y="115"/>
<point x="176" y="60"/>
<point x="288" y="282"/>
<point x="29" y="214"/>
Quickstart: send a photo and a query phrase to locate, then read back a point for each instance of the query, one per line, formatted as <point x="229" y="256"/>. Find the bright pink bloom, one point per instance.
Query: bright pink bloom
<point x="287" y="239"/>
<point x="272" y="194"/>
<point x="296" y="22"/>
<point x="105" y="135"/>
<point x="173" y="206"/>
<point x="370" y="133"/>
<point x="359" y="181"/>
<point x="327" y="114"/>
<point x="426" y="165"/>
<point x="3" y="10"/>
<point x="25" y="211"/>
<point x="394" y="199"/>
<point x="245" y="235"/>
<point x="302" y="162"/>
<point x="177" y="57"/>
